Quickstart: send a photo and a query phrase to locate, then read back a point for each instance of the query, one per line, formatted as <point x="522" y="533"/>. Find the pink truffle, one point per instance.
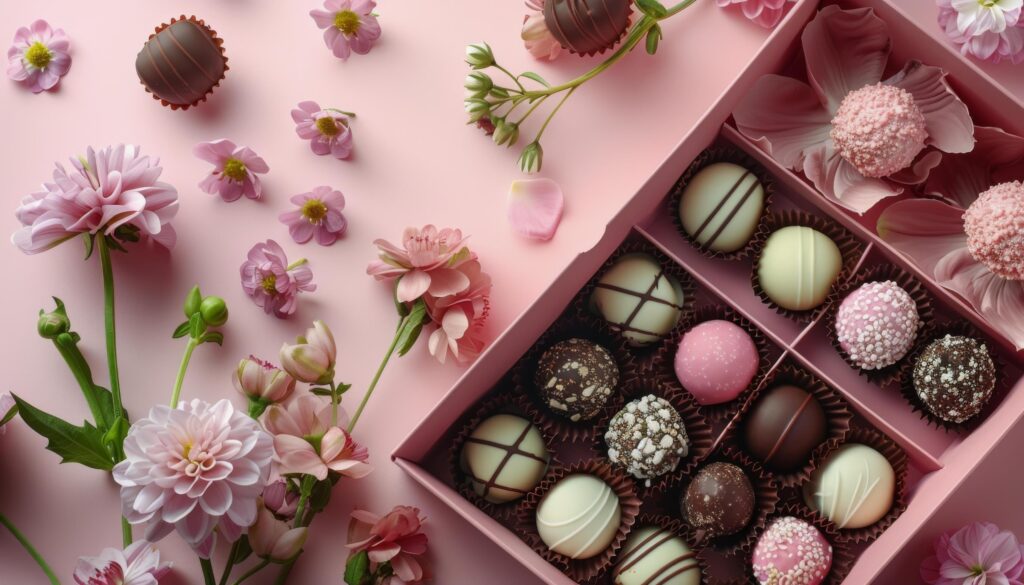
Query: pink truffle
<point x="879" y="129"/>
<point x="877" y="324"/>
<point x="994" y="224"/>
<point x="716" y="361"/>
<point x="793" y="552"/>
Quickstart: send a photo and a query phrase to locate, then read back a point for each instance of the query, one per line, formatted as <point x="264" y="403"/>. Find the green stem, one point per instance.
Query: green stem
<point x="305" y="490"/>
<point x="31" y="550"/>
<point x="230" y="563"/>
<point x="554" y="111"/>
<point x="535" y="105"/>
<point x="208" y="577"/>
<point x="193" y="343"/>
<point x="68" y="349"/>
<point x="512" y="77"/>
<point x="376" y="377"/>
<point x="256" y="569"/>
<point x="335" y="400"/>
<point x="126" y="532"/>
<point x="108" y="306"/>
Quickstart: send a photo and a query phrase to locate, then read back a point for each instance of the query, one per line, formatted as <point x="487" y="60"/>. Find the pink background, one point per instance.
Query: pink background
<point x="416" y="163"/>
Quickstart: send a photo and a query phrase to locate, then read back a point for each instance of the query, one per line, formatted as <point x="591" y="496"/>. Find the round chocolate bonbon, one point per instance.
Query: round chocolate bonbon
<point x="954" y="377"/>
<point x="587" y="26"/>
<point x="638" y="298"/>
<point x="653" y="555"/>
<point x="784" y="426"/>
<point x="505" y="457"/>
<point x="579" y="516"/>
<point x="798" y="267"/>
<point x="647" y="438"/>
<point x="877" y="324"/>
<point x="853" y="487"/>
<point x="716" y="361"/>
<point x="182" y="62"/>
<point x="575" y="378"/>
<point x="792" y="552"/>
<point x="721" y="206"/>
<point x="719" y="500"/>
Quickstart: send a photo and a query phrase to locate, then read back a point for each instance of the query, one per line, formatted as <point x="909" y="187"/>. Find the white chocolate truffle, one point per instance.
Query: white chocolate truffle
<point x="653" y="555"/>
<point x="639" y="299"/>
<point x="721" y="205"/>
<point x="798" y="267"/>
<point x="505" y="457"/>
<point x="579" y="517"/>
<point x="853" y="488"/>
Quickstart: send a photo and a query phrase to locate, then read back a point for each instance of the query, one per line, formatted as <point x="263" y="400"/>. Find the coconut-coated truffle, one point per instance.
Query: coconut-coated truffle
<point x="877" y="324"/>
<point x="793" y="552"/>
<point x="647" y="438"/>
<point x="879" y="129"/>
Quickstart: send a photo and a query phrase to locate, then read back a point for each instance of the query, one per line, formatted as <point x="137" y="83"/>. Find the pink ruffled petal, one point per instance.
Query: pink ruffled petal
<point x="918" y="172"/>
<point x="785" y="117"/>
<point x="997" y="157"/>
<point x="949" y="124"/>
<point x="535" y="208"/>
<point x="845" y="50"/>
<point x="837" y="179"/>
<point x="924" y="230"/>
<point x="1000" y="301"/>
<point x="412" y="286"/>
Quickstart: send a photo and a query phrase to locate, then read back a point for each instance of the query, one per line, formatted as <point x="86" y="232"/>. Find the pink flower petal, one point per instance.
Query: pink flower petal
<point x="949" y="124"/>
<point x="838" y="179"/>
<point x="785" y="117"/>
<point x="924" y="230"/>
<point x="997" y="157"/>
<point x="412" y="286"/>
<point x="447" y="281"/>
<point x="845" y="50"/>
<point x="535" y="208"/>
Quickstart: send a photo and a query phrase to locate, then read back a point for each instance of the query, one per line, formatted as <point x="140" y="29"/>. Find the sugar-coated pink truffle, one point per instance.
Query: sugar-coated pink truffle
<point x="879" y="129"/>
<point x="792" y="552"/>
<point x="716" y="361"/>
<point x="994" y="224"/>
<point x="877" y="324"/>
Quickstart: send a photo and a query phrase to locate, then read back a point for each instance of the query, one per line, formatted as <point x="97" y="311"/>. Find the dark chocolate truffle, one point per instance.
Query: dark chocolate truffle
<point x="575" y="377"/>
<point x="647" y="438"/>
<point x="587" y="26"/>
<point x="784" y="426"/>
<point x="954" y="377"/>
<point x="719" y="500"/>
<point x="181" y="62"/>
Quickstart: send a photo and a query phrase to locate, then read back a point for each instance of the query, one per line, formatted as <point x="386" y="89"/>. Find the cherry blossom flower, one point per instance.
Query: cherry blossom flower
<point x="261" y="380"/>
<point x="318" y="215"/>
<point x="395" y="538"/>
<point x="139" y="564"/>
<point x="311" y="358"/>
<point x="350" y="26"/>
<point x="306" y="442"/>
<point x="976" y="554"/>
<point x="235" y="169"/>
<point x="39" y="56"/>
<point x="460" y="317"/>
<point x="426" y="263"/>
<point x="853" y="134"/>
<point x="538" y="39"/>
<point x="989" y="31"/>
<point x="766" y="13"/>
<point x="327" y="129"/>
<point x="535" y="208"/>
<point x="271" y="282"/>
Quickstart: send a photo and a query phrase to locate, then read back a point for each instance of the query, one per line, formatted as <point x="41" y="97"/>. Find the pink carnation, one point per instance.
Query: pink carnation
<point x="426" y="263"/>
<point x="306" y="441"/>
<point x="766" y="13"/>
<point x="318" y="215"/>
<point x="39" y="56"/>
<point x="234" y="172"/>
<point x="271" y="282"/>
<point x="350" y="26"/>
<point x="139" y="564"/>
<point x="396" y="539"/>
<point x="973" y="555"/>
<point x="327" y="129"/>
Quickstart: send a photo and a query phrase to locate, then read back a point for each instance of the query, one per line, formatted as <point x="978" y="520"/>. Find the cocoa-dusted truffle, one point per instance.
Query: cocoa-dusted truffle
<point x="181" y="62"/>
<point x="719" y="500"/>
<point x="576" y="377"/>
<point x="647" y="438"/>
<point x="954" y="377"/>
<point x="784" y="426"/>
<point x="587" y="26"/>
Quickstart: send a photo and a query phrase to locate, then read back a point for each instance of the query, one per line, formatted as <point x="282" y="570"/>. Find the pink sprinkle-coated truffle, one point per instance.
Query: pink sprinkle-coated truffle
<point x="716" y="361"/>
<point x="994" y="224"/>
<point x="877" y="324"/>
<point x="791" y="552"/>
<point x="879" y="129"/>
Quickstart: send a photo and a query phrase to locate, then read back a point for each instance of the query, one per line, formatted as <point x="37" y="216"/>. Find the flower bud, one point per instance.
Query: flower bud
<point x="506" y="133"/>
<point x="311" y="359"/>
<point x="260" y="380"/>
<point x="479" y="56"/>
<point x="273" y="539"/>
<point x="52" y="324"/>
<point x="280" y="500"/>
<point x="478" y="83"/>
<point x="192" y="302"/>
<point x="532" y="158"/>
<point x="477" y="108"/>
<point x="214" y="311"/>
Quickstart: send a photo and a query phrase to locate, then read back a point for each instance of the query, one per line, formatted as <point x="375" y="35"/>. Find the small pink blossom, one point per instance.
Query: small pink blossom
<point x="461" y="317"/>
<point x="306" y="415"/>
<point x="274" y="539"/>
<point x="311" y="358"/>
<point x="327" y="129"/>
<point x="426" y="263"/>
<point x="306" y="441"/>
<point x="396" y="538"/>
<point x="39" y="56"/>
<point x="986" y="31"/>
<point x="261" y="380"/>
<point x="139" y="564"/>
<point x="766" y="13"/>
<point x="535" y="208"/>
<point x="280" y="500"/>
<point x="234" y="172"/>
<point x="7" y="406"/>
<point x="318" y="215"/>
<point x="271" y="282"/>
<point x="538" y="39"/>
<point x="976" y="554"/>
<point x="350" y="26"/>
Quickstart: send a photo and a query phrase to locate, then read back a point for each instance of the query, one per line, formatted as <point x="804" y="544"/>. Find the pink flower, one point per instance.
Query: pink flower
<point x="311" y="358"/>
<point x="426" y="263"/>
<point x="194" y="469"/>
<point x="852" y="134"/>
<point x="989" y="31"/>
<point x="139" y="564"/>
<point x="395" y="539"/>
<point x="271" y="282"/>
<point x="538" y="39"/>
<point x="535" y="208"/>
<point x="114" y="192"/>
<point x="7" y="410"/>
<point x="280" y="500"/>
<point x="972" y="240"/>
<point x="273" y="539"/>
<point x="327" y="130"/>
<point x="350" y="26"/>
<point x="305" y="441"/>
<point x="306" y="415"/>
<point x="260" y="380"/>
<point x="766" y="13"/>
<point x="318" y="214"/>
<point x="461" y="317"/>
<point x="234" y="172"/>
<point x="39" y="56"/>
<point x="976" y="554"/>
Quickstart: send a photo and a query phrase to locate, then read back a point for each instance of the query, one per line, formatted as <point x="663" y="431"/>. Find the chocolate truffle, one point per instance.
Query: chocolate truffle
<point x="721" y="206"/>
<point x="639" y="299"/>
<point x="575" y="377"/>
<point x="587" y="26"/>
<point x="954" y="377"/>
<point x="505" y="457"/>
<point x="182" y="62"/>
<point x="853" y="488"/>
<point x="793" y="552"/>
<point x="783" y="427"/>
<point x="877" y="324"/>
<point x="579" y="516"/>
<point x="647" y="438"/>
<point x="654" y="556"/>
<point x="716" y="361"/>
<point x="798" y="267"/>
<point x="719" y="500"/>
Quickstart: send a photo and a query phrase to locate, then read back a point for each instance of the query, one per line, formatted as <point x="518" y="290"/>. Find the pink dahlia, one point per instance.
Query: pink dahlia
<point x="139" y="564"/>
<point x="114" y="191"/>
<point x="766" y="13"/>
<point x="7" y="411"/>
<point x="538" y="39"/>
<point x="305" y="441"/>
<point x="195" y="469"/>
<point x="971" y="239"/>
<point x="976" y="554"/>
<point x="396" y="538"/>
<point x="461" y="317"/>
<point x="987" y="30"/>
<point x="234" y="172"/>
<point x="39" y="56"/>
<point x="853" y="134"/>
<point x="318" y="215"/>
<point x="327" y="129"/>
<point x="350" y="26"/>
<point x="271" y="282"/>
<point x="426" y="262"/>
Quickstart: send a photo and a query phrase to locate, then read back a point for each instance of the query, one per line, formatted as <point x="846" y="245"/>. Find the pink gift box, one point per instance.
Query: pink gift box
<point x="954" y="477"/>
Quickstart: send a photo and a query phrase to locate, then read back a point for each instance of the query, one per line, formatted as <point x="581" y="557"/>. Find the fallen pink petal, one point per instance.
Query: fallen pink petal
<point x="535" y="208"/>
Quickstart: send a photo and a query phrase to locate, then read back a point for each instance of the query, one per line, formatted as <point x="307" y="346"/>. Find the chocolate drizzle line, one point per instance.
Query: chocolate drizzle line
<point x="721" y="204"/>
<point x="639" y="553"/>
<point x="510" y="451"/>
<point x="643" y="298"/>
<point x="789" y="427"/>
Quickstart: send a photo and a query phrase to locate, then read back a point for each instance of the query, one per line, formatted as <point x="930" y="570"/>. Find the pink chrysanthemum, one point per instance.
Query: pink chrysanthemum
<point x="104" y="192"/>
<point x="318" y="215"/>
<point x="396" y="538"/>
<point x="976" y="554"/>
<point x="766" y="13"/>
<point x="426" y="263"/>
<point x="39" y="56"/>
<point x="234" y="172"/>
<point x="538" y="39"/>
<point x="306" y="441"/>
<point x="350" y="26"/>
<point x="271" y="282"/>
<point x="194" y="469"/>
<point x="139" y="564"/>
<point x="327" y="129"/>
<point x="989" y="31"/>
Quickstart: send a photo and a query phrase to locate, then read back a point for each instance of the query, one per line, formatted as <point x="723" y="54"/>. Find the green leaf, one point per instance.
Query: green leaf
<point x="106" y="402"/>
<point x="413" y="326"/>
<point x="13" y="412"/>
<point x="114" y="244"/>
<point x="343" y="388"/>
<point x="535" y="77"/>
<point x="243" y="551"/>
<point x="653" y="37"/>
<point x="320" y="391"/>
<point x="182" y="330"/>
<point x="357" y="569"/>
<point x="320" y="497"/>
<point x="213" y="337"/>
<point x="87" y="238"/>
<point x="196" y="326"/>
<point x="74" y="444"/>
<point x="652" y="8"/>
<point x="117" y="432"/>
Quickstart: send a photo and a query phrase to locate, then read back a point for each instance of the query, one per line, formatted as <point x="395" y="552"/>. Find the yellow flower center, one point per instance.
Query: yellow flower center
<point x="234" y="169"/>
<point x="347" y="22"/>
<point x="314" y="210"/>
<point x="38" y="55"/>
<point x="269" y="284"/>
<point x="327" y="126"/>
